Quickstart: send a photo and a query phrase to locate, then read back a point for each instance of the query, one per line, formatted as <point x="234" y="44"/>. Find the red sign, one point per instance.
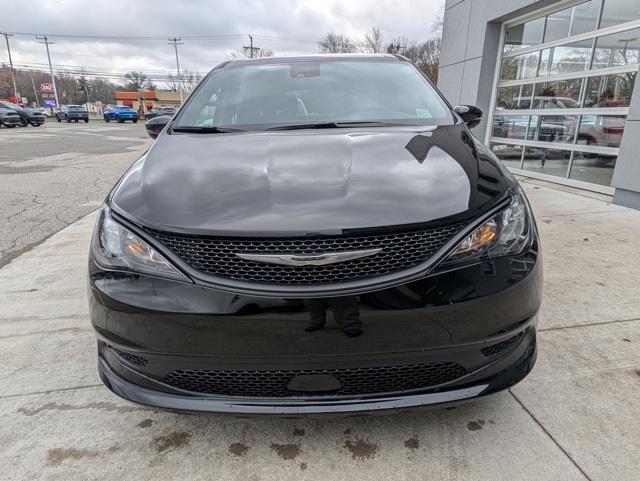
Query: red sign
<point x="46" y="87"/>
<point x="127" y="103"/>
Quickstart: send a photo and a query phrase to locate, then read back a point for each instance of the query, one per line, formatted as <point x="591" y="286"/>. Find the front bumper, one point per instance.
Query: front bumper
<point x="481" y="318"/>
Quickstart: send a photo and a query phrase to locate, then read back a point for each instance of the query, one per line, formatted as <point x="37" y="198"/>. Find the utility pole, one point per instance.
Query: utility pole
<point x="176" y="41"/>
<point x="53" y="79"/>
<point x="13" y="78"/>
<point x="251" y="48"/>
<point x="35" y="92"/>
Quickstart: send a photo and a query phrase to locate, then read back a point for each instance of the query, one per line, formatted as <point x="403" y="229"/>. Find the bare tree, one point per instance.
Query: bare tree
<point x="188" y="79"/>
<point x="425" y="56"/>
<point x="241" y="53"/>
<point x="373" y="41"/>
<point x="135" y="81"/>
<point x="336" y="43"/>
<point x="438" y="22"/>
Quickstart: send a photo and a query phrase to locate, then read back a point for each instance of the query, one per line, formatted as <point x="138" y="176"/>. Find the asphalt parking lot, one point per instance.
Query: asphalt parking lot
<point x="576" y="417"/>
<point x="53" y="175"/>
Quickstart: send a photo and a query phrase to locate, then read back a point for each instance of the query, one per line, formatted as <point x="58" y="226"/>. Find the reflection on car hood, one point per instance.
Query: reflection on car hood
<point x="308" y="181"/>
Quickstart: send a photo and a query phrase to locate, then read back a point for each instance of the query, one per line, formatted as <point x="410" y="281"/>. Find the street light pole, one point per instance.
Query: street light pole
<point x="176" y="41"/>
<point x="53" y="79"/>
<point x="13" y="78"/>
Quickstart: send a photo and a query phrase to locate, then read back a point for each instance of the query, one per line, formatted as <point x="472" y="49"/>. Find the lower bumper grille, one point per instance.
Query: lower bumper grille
<point x="353" y="381"/>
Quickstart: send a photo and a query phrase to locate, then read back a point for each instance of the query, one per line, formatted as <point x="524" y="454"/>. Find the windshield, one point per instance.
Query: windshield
<point x="254" y="97"/>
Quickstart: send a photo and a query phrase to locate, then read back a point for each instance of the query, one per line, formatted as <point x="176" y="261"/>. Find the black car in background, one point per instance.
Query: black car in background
<point x="72" y="113"/>
<point x="27" y="115"/>
<point x="315" y="234"/>
<point x="9" y="118"/>
<point x="159" y="111"/>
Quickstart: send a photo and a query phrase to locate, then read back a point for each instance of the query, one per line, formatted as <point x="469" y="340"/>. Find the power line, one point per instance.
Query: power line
<point x="13" y="78"/>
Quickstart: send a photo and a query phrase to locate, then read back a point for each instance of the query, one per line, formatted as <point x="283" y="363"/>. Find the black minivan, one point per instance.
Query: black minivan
<point x="318" y="234"/>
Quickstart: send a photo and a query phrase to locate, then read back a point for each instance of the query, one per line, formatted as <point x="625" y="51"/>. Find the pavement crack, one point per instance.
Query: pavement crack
<point x="591" y="324"/>
<point x="550" y="436"/>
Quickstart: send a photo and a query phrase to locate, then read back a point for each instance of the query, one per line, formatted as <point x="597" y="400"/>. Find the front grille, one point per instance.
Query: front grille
<point x="216" y="255"/>
<point x="354" y="381"/>
<point x="501" y="346"/>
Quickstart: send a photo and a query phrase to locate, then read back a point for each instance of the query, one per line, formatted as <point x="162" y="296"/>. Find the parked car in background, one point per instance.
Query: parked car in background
<point x="27" y="115"/>
<point x="9" y="118"/>
<point x="160" y="111"/>
<point x="120" y="114"/>
<point x="72" y="112"/>
<point x="287" y="191"/>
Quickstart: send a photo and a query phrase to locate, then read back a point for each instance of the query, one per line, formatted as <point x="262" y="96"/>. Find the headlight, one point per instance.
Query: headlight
<point x="507" y="232"/>
<point x="116" y="247"/>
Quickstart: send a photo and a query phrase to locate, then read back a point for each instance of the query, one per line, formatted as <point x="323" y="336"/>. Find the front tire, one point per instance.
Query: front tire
<point x="68" y="120"/>
<point x="106" y="119"/>
<point x="86" y="121"/>
<point x="23" y="122"/>
<point x="58" y="119"/>
<point x="135" y="121"/>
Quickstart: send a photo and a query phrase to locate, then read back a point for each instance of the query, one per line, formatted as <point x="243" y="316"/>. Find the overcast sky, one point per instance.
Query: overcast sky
<point x="294" y="26"/>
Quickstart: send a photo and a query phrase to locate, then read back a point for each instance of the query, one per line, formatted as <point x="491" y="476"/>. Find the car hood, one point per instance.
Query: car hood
<point x="309" y="181"/>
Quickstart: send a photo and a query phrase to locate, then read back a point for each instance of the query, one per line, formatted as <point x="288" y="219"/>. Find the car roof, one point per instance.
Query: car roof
<point x="321" y="57"/>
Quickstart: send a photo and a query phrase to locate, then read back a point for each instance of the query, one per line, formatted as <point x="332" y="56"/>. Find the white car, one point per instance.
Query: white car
<point x="43" y="111"/>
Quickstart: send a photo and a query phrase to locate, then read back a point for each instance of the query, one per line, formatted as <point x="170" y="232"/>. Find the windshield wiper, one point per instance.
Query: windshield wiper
<point x="194" y="129"/>
<point x="334" y="125"/>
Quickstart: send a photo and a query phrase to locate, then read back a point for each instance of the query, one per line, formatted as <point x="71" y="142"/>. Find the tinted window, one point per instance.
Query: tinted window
<point x="314" y="91"/>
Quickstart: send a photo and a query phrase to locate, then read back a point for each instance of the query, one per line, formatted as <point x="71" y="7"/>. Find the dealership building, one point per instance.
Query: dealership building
<point x="557" y="83"/>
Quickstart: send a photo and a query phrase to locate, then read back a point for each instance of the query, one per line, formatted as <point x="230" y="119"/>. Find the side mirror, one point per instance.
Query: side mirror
<point x="470" y="114"/>
<point x="155" y="125"/>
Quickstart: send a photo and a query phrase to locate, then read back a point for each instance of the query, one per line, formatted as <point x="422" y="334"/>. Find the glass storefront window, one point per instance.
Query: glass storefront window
<point x="593" y="168"/>
<point x="553" y="128"/>
<point x="618" y="49"/>
<point x="510" y="126"/>
<point x="559" y="87"/>
<point x="514" y="97"/>
<point x="573" y="57"/>
<point x="563" y="94"/>
<point x="615" y="12"/>
<point x="572" y="21"/>
<point x="585" y="17"/>
<point x="509" y="155"/>
<point x="547" y="161"/>
<point x="610" y="90"/>
<point x="524" y="34"/>
<point x="519" y="67"/>
<point x="601" y="130"/>
<point x="558" y="25"/>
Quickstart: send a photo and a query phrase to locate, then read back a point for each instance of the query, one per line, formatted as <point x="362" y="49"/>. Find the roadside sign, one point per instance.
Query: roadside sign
<point x="45" y="87"/>
<point x="50" y="103"/>
<point x="25" y="100"/>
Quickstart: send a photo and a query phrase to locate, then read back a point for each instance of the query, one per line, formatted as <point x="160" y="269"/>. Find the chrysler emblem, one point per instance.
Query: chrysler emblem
<point x="298" y="260"/>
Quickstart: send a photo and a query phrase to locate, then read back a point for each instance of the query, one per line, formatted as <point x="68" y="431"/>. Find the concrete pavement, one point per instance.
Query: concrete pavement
<point x="576" y="417"/>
